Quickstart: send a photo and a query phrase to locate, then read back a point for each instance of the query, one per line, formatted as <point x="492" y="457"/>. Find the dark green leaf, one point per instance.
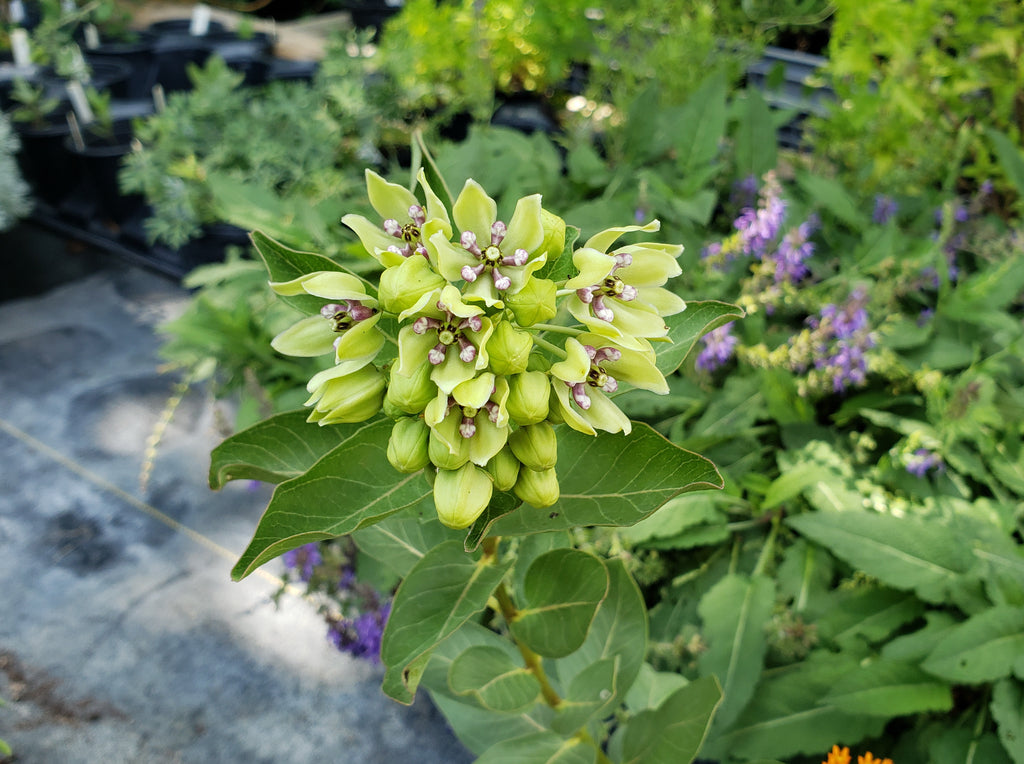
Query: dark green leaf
<point x="675" y="730"/>
<point x="285" y="264"/>
<point x="755" y="137"/>
<point x="1008" y="710"/>
<point x="834" y="198"/>
<point x="351" y="487"/>
<point x="684" y="329"/>
<point x="563" y="590"/>
<point x="591" y="696"/>
<point x="612" y="480"/>
<point x="890" y="688"/>
<point x="401" y="540"/>
<point x="701" y="125"/>
<point x="562" y="267"/>
<point x="442" y="591"/>
<point x="984" y="648"/>
<point x="276" y="449"/>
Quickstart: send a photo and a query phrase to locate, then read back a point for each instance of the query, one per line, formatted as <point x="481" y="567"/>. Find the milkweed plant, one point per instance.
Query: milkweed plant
<point x="467" y="425"/>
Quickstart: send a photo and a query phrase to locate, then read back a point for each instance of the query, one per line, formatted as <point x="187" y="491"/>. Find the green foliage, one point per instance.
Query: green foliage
<point x="14" y="192"/>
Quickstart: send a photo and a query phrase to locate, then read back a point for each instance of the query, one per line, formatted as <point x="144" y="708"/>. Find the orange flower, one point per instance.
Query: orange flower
<point x="869" y="759"/>
<point x="839" y="756"/>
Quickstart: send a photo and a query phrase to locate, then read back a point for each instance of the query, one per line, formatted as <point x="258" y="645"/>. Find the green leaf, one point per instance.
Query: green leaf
<point x="493" y="679"/>
<point x="618" y="631"/>
<point x="833" y="197"/>
<point x="276" y="449"/>
<point x="351" y="487"/>
<point x="1008" y="710"/>
<point x="442" y="591"/>
<point x="786" y="717"/>
<point x="701" y="125"/>
<point x="563" y="590"/>
<point x="684" y="329"/>
<point x="501" y="504"/>
<point x="431" y="170"/>
<point x="562" y="267"/>
<point x="890" y="688"/>
<point x="869" y="611"/>
<point x="652" y="687"/>
<point x="675" y="730"/>
<point x="755" y="137"/>
<point x="400" y="541"/>
<point x="612" y="480"/>
<point x="917" y="645"/>
<point x="528" y="549"/>
<point x="540" y="748"/>
<point x="285" y="264"/>
<point x="591" y="695"/>
<point x="985" y="647"/>
<point x="677" y="516"/>
<point x="793" y="482"/>
<point x="1009" y="157"/>
<point x="735" y="612"/>
<point x="902" y="552"/>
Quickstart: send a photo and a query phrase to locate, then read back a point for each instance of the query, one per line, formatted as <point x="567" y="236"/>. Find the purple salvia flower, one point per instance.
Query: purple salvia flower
<point x="304" y="559"/>
<point x="793" y="252"/>
<point x="885" y="209"/>
<point x="922" y="460"/>
<point x="361" y="636"/>
<point x="719" y="346"/>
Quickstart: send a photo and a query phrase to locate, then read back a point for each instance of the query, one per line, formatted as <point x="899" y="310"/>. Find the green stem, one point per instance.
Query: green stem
<point x="769" y="546"/>
<point x="550" y="347"/>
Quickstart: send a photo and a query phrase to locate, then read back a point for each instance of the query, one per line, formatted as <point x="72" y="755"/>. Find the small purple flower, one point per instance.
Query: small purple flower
<point x="925" y="316"/>
<point x="719" y="346"/>
<point x="793" y="252"/>
<point x="885" y="209"/>
<point x="842" y="336"/>
<point x="744" y="192"/>
<point x="304" y="558"/>
<point x="985" y="188"/>
<point x="922" y="460"/>
<point x="361" y="636"/>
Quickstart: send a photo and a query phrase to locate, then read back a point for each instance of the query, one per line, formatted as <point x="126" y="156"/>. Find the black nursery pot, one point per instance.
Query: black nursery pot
<point x="111" y="74"/>
<point x="137" y="54"/>
<point x="171" y="56"/>
<point x="44" y="163"/>
<point x="248" y="56"/>
<point x="181" y="27"/>
<point x="99" y="162"/>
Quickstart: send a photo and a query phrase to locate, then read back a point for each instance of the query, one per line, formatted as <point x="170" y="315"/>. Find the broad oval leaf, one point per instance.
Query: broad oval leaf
<point x="285" y="264"/>
<point x="400" y="541"/>
<point x="899" y="551"/>
<point x="441" y="592"/>
<point x="612" y="480"/>
<point x="540" y="748"/>
<point x="675" y="730"/>
<point x="983" y="648"/>
<point x="735" y="612"/>
<point x="493" y="679"/>
<point x="684" y="329"/>
<point x="276" y="449"/>
<point x="351" y="487"/>
<point x="563" y="590"/>
<point x="590" y="696"/>
<point x="890" y="688"/>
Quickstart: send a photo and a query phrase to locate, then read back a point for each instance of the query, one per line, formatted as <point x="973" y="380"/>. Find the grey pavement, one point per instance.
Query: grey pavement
<point x="122" y="637"/>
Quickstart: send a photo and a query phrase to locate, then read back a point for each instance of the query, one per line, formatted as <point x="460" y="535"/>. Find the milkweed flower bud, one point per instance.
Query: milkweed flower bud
<point x="340" y="398"/>
<point x="409" y="286"/>
<point x="534" y="303"/>
<point x="461" y="496"/>
<point x="509" y="349"/>
<point x="504" y="469"/>
<point x="407" y="446"/>
<point x="528" y="396"/>
<point x="538" y="488"/>
<point x="535" y="445"/>
<point x="411" y="394"/>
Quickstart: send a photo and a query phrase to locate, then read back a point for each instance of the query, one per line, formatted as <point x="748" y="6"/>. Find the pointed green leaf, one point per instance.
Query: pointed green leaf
<point x="563" y="590"/>
<point x="612" y="480"/>
<point x="890" y="688"/>
<point x="590" y="696"/>
<point x="619" y="631"/>
<point x="675" y="730"/>
<point x="793" y="482"/>
<point x="1010" y="158"/>
<point x="1008" y="710"/>
<point x="786" y="717"/>
<point x="493" y="679"/>
<point x="401" y="540"/>
<point x="501" y="504"/>
<point x="652" y="687"/>
<point x="735" y="612"/>
<point x="902" y="552"/>
<point x="351" y="487"/>
<point x="983" y="648"/>
<point x="870" y="612"/>
<point x="755" y="138"/>
<point x="540" y="748"/>
<point x="701" y="126"/>
<point x="441" y="592"/>
<point x="561" y="267"/>
<point x="276" y="449"/>
<point x="476" y="727"/>
<point x="684" y="329"/>
<point x="832" y="196"/>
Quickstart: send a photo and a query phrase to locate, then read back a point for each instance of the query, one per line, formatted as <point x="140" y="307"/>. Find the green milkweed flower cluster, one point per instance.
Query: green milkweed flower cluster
<point x="487" y="361"/>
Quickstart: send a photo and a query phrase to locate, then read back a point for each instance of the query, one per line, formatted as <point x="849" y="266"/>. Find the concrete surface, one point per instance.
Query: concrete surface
<point x="122" y="637"/>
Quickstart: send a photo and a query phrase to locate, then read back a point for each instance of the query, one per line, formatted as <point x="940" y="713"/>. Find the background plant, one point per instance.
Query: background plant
<point x="14" y="192"/>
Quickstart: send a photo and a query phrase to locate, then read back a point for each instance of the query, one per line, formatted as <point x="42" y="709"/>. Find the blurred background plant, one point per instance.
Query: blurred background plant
<point x="15" y="202"/>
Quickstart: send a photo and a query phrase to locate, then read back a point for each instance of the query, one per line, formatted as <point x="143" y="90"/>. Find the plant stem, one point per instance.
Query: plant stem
<point x="558" y="329"/>
<point x="530" y="658"/>
<point x="551" y="348"/>
<point x="769" y="546"/>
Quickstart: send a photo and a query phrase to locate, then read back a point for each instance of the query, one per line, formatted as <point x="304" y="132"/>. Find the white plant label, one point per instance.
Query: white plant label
<point x="20" y="48"/>
<point x="92" y="37"/>
<point x="80" y="103"/>
<point x="16" y="11"/>
<point x="200" y="20"/>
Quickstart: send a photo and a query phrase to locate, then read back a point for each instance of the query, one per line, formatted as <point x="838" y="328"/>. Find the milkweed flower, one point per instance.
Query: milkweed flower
<point x="405" y="224"/>
<point x="492" y="257"/>
<point x="621" y="294"/>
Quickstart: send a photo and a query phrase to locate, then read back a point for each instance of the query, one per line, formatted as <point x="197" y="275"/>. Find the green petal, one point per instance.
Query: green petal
<point x="451" y="298"/>
<point x="593" y="267"/>
<point x="605" y="415"/>
<point x="570" y="411"/>
<point x="436" y="410"/>
<point x="450" y="258"/>
<point x="374" y="240"/>
<point x="335" y="285"/>
<point x="309" y="337"/>
<point x="666" y="303"/>
<point x="362" y="341"/>
<point x="435" y="210"/>
<point x="526" y="228"/>
<point x="652" y="265"/>
<point x="390" y="200"/>
<point x="635" y="367"/>
<point x="413" y="349"/>
<point x="601" y="241"/>
<point x="576" y="365"/>
<point x="452" y="371"/>
<point x="475" y="211"/>
<point x="488" y="440"/>
<point x="475" y="392"/>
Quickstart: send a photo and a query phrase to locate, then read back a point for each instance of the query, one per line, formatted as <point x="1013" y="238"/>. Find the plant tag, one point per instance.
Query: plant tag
<point x="79" y="68"/>
<point x="20" y="48"/>
<point x="68" y="6"/>
<point x="200" y="20"/>
<point x="16" y="12"/>
<point x="79" y="102"/>
<point x="92" y="37"/>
